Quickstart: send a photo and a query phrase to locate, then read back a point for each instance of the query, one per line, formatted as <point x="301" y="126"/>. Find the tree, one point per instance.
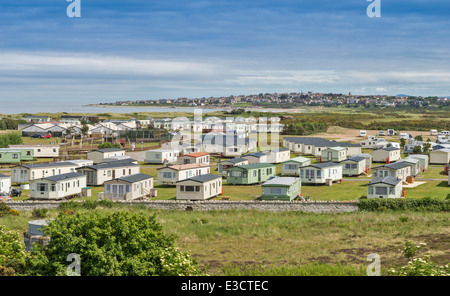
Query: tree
<point x="426" y="147"/>
<point x="417" y="149"/>
<point x="418" y="138"/>
<point x="10" y="139"/>
<point x="402" y="142"/>
<point x="110" y="244"/>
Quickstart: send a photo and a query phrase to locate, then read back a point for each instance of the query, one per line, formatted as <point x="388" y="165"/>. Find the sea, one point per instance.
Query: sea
<point x="33" y="108"/>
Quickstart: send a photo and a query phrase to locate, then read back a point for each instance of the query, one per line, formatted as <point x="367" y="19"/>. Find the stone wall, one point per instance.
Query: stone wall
<point x="216" y="205"/>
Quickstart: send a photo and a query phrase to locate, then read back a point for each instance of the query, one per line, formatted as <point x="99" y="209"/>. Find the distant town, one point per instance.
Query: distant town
<point x="294" y="99"/>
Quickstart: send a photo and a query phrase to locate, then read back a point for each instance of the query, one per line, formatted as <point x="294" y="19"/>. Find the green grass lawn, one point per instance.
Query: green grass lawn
<point x="434" y="173"/>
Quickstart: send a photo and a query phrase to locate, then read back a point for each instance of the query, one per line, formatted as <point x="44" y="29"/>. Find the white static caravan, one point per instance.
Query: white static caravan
<point x="387" y="187"/>
<point x="334" y="154"/>
<point x="199" y="188"/>
<point x="386" y="154"/>
<point x="50" y="151"/>
<point x="441" y="156"/>
<point x="353" y="166"/>
<point x="415" y="165"/>
<point x="127" y="187"/>
<point x="98" y="156"/>
<point x="197" y="157"/>
<point x="100" y="173"/>
<point x="399" y="170"/>
<point x="170" y="175"/>
<point x="362" y="133"/>
<point x="229" y="163"/>
<point x="27" y="172"/>
<point x="423" y="161"/>
<point x="291" y="167"/>
<point x="5" y="183"/>
<point x="81" y="162"/>
<point x="319" y="173"/>
<point x="58" y="186"/>
<point x="160" y="156"/>
<point x="256" y="157"/>
<point x="277" y="155"/>
<point x="368" y="158"/>
<point x="433" y="132"/>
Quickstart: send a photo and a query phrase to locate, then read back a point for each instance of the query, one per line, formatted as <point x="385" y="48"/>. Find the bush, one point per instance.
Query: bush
<point x="401" y="204"/>
<point x="39" y="213"/>
<point x="4" y="209"/>
<point x="110" y="244"/>
<point x="14" y="212"/>
<point x="12" y="251"/>
<point x="419" y="266"/>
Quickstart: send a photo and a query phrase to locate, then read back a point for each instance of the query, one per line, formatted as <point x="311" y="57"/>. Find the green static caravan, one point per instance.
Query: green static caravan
<point x="15" y="155"/>
<point x="281" y="188"/>
<point x="254" y="173"/>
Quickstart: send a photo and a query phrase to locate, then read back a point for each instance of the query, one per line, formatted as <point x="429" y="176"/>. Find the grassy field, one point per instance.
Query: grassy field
<point x="290" y="243"/>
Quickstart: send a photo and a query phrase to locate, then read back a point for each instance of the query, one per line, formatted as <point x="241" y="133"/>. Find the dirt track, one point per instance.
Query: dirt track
<point x="346" y="134"/>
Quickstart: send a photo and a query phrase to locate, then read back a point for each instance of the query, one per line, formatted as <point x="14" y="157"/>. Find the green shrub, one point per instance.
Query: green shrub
<point x="110" y="244"/>
<point x="401" y="204"/>
<point x="39" y="213"/>
<point x="4" y="209"/>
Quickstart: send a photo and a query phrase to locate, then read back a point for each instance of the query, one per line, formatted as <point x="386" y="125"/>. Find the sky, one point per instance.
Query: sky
<point x="153" y="49"/>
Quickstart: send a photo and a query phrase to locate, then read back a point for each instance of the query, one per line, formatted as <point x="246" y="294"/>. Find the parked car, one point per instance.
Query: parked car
<point x="47" y="136"/>
<point x="36" y="136"/>
<point x="4" y="196"/>
<point x="16" y="192"/>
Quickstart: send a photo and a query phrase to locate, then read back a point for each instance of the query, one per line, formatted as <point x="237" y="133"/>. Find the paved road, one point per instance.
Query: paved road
<point x="138" y="155"/>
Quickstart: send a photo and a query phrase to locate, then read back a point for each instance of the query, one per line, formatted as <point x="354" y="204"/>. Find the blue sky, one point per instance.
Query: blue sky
<point x="168" y="49"/>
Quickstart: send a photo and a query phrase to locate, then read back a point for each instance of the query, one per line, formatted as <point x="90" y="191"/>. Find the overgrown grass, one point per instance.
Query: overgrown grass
<point x="314" y="269"/>
<point x="287" y="243"/>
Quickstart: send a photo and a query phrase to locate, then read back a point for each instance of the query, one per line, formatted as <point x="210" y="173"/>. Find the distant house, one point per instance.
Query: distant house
<point x="291" y="167"/>
<point x="98" y="174"/>
<point x="353" y="166"/>
<point x="51" y="151"/>
<point x="334" y="154"/>
<point x="5" y="183"/>
<point x="250" y="174"/>
<point x="197" y="157"/>
<point x="386" y="187"/>
<point x="277" y="155"/>
<point x="127" y="187"/>
<point x="224" y="165"/>
<point x="170" y="175"/>
<point x="37" y="119"/>
<point x="160" y="156"/>
<point x="319" y="173"/>
<point x="27" y="172"/>
<point x="281" y="188"/>
<point x="386" y="154"/>
<point x="15" y="155"/>
<point x="256" y="157"/>
<point x="58" y="186"/>
<point x="423" y="161"/>
<point x="200" y="187"/>
<point x="441" y="156"/>
<point x="100" y="155"/>
<point x="399" y="170"/>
